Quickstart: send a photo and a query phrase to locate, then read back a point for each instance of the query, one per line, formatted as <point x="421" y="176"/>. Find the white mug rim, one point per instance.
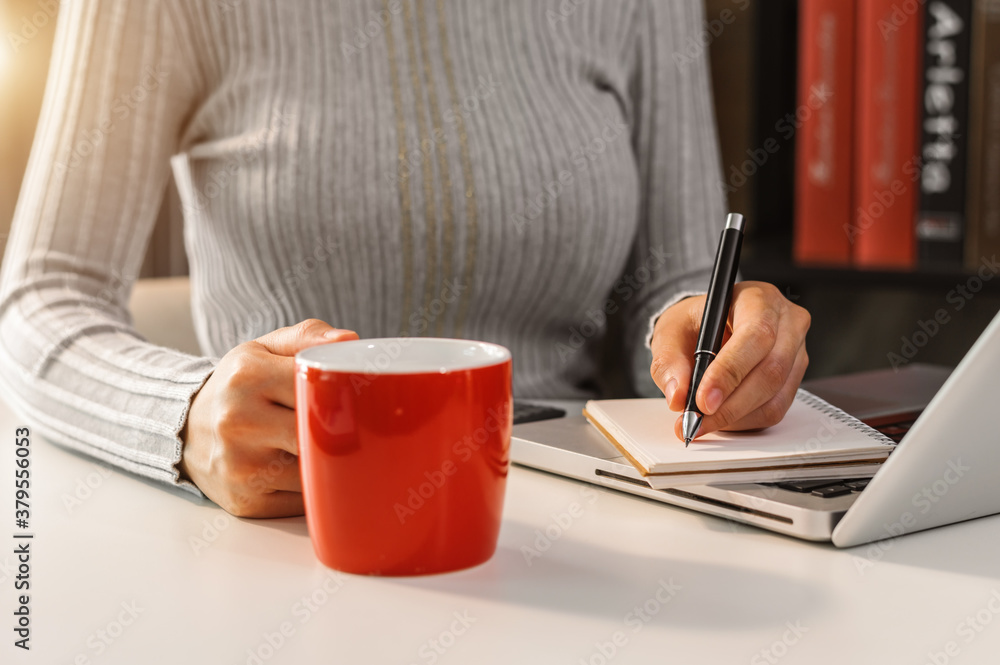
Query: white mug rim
<point x="491" y="355"/>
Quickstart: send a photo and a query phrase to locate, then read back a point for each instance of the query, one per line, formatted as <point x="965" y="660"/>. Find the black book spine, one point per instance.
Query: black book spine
<point x="944" y="134"/>
<point x="983" y="229"/>
<point x="775" y="75"/>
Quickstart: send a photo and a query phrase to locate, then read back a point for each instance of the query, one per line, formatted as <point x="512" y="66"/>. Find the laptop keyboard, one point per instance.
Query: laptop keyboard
<point x="525" y="412"/>
<point x="828" y="489"/>
<point x="895" y="431"/>
<point x="825" y="489"/>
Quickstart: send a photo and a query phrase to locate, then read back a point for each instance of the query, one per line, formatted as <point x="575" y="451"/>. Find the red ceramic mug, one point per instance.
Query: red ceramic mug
<point x="404" y="447"/>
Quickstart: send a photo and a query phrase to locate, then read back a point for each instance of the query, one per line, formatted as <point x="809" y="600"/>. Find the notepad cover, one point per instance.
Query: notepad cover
<point x="812" y="435"/>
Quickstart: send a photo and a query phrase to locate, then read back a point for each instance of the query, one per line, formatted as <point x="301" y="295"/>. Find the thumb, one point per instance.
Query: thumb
<point x="311" y="332"/>
<point x="674" y="339"/>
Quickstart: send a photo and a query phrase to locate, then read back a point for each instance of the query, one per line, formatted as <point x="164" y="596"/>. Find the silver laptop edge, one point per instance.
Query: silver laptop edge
<point x="537" y="445"/>
<point x="944" y="471"/>
<point x="940" y="474"/>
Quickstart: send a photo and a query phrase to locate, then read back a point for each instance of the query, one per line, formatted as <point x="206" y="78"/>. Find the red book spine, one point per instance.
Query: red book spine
<point x="887" y="166"/>
<point x="824" y="142"/>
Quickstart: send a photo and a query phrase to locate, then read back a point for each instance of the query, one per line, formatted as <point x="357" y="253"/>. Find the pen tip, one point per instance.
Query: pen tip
<point x="689" y="426"/>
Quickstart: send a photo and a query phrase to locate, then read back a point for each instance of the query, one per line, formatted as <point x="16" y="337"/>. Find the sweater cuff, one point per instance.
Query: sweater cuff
<point x="181" y="424"/>
<point x="642" y="355"/>
<point x="670" y="303"/>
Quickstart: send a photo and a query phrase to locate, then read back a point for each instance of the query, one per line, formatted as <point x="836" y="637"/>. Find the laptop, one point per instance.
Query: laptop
<point x="947" y="424"/>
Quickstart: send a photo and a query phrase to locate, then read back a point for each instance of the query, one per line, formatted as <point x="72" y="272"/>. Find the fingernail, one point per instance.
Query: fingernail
<point x="670" y="390"/>
<point x="714" y="400"/>
<point x="333" y="333"/>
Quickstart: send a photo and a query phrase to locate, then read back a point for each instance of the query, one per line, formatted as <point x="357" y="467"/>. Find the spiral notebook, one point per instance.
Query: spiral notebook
<point x="814" y="439"/>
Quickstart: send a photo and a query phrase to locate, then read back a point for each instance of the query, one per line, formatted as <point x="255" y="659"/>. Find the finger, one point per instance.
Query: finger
<point x="277" y="380"/>
<point x="275" y="377"/>
<point x="673" y="344"/>
<point x="756" y="322"/>
<point x="272" y="427"/>
<point x="280" y="473"/>
<point x="772" y="411"/>
<point x="289" y="341"/>
<point x="768" y="414"/>
<point x="254" y="432"/>
<point x="762" y="383"/>
<point x="284" y="504"/>
<point x="276" y="504"/>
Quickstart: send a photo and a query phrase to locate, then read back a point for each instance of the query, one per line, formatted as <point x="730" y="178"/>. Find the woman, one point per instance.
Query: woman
<point x="543" y="175"/>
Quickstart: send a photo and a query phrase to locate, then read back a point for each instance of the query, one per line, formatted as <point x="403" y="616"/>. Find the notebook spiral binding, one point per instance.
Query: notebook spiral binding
<point x="842" y="417"/>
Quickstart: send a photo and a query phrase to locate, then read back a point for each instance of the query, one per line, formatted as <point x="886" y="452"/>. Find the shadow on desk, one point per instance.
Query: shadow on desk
<point x="614" y="585"/>
<point x="580" y="577"/>
<point x="954" y="548"/>
<point x="966" y="548"/>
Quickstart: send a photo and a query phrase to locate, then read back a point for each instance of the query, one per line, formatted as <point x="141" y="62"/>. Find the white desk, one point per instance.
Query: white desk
<point x="132" y="543"/>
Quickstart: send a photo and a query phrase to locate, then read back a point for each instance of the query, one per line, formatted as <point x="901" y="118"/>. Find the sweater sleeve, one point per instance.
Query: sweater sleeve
<point x="70" y="361"/>
<point x="681" y="201"/>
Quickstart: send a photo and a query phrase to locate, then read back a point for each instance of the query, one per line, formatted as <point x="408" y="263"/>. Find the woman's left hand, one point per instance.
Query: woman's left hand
<point x="752" y="381"/>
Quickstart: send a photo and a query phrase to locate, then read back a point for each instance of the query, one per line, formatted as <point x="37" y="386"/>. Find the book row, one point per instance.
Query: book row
<point x="897" y="158"/>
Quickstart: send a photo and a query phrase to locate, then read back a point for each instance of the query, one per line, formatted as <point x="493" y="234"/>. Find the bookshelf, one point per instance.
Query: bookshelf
<point x="788" y="274"/>
<point x="860" y="316"/>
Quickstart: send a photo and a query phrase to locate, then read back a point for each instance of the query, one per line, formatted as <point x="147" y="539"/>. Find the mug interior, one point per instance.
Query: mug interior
<point x="403" y="355"/>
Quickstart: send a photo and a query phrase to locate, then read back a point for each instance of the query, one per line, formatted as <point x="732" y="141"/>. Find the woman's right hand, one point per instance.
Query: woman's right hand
<point x="240" y="445"/>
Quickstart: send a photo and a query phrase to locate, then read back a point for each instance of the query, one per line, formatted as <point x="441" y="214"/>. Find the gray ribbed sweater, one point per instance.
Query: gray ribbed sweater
<point x="539" y="174"/>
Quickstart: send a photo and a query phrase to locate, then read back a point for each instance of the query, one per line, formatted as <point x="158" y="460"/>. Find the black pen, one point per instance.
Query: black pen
<point x="713" y="321"/>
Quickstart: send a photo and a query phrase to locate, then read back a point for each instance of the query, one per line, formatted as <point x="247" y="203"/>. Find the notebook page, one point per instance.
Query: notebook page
<point x="812" y="428"/>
